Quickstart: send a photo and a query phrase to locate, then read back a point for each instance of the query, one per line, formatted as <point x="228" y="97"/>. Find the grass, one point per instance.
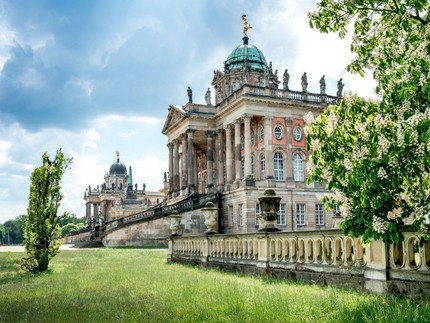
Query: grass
<point x="134" y="285"/>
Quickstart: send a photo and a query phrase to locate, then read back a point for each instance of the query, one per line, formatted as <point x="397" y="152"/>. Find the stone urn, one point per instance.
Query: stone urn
<point x="210" y="212"/>
<point x="175" y="221"/>
<point x="269" y="211"/>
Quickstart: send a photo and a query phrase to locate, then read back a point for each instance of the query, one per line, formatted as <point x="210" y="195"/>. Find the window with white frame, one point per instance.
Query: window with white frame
<point x="336" y="210"/>
<point x="298" y="167"/>
<point x="241" y="215"/>
<point x="262" y="167"/>
<point x="297" y="133"/>
<point x="300" y="211"/>
<point x="252" y="166"/>
<point x="278" y="132"/>
<point x="231" y="214"/>
<point x="282" y="215"/>
<point x="319" y="214"/>
<point x="278" y="166"/>
<point x="257" y="212"/>
<point x="260" y="133"/>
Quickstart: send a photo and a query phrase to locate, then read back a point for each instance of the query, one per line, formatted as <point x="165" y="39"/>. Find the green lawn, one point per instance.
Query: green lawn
<point x="135" y="285"/>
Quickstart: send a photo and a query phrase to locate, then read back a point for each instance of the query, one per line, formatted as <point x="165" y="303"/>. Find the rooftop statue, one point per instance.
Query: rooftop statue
<point x="286" y="79"/>
<point x="208" y="97"/>
<point x="190" y="95"/>
<point x="246" y="26"/>
<point x="304" y="82"/>
<point x="339" y="88"/>
<point x="117" y="154"/>
<point x="322" y="85"/>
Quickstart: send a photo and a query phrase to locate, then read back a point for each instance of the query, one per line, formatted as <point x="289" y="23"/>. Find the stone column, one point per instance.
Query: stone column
<point x="190" y="159"/>
<point x="237" y="149"/>
<point x="184" y="174"/>
<point x="96" y="212"/>
<point x="220" y="158"/>
<point x="209" y="160"/>
<point x="175" y="165"/>
<point x="170" y="146"/>
<point x="289" y="162"/>
<point x="247" y="126"/>
<point x="229" y="154"/>
<point x="268" y="147"/>
<point x="88" y="214"/>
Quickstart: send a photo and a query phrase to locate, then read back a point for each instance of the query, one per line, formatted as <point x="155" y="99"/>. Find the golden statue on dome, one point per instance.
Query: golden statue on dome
<point x="117" y="154"/>
<point x="246" y="26"/>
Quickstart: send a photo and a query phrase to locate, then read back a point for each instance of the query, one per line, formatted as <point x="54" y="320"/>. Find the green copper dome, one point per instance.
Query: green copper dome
<point x="236" y="60"/>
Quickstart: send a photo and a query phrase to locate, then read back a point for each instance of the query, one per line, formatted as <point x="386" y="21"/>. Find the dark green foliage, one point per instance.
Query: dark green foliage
<point x="42" y="231"/>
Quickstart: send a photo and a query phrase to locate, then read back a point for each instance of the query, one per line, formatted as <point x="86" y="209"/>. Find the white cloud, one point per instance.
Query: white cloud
<point x="91" y="136"/>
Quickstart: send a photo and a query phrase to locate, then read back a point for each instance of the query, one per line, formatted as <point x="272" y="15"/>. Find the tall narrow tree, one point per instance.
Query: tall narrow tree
<point x="42" y="233"/>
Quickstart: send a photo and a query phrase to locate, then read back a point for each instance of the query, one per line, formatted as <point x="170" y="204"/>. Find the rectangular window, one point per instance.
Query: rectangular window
<point x="281" y="216"/>
<point x="241" y="215"/>
<point x="336" y="210"/>
<point x="300" y="211"/>
<point x="231" y="214"/>
<point x="257" y="213"/>
<point x="319" y="214"/>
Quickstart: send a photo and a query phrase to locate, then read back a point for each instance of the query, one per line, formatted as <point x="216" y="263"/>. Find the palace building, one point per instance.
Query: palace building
<point x="249" y="140"/>
<point x="117" y="197"/>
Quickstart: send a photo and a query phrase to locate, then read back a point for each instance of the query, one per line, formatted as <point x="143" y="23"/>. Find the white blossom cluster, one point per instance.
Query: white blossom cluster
<point x="379" y="225"/>
<point x="382" y="174"/>
<point x="392" y="216"/>
<point x="347" y="163"/>
<point x="383" y="145"/>
<point x="332" y="123"/>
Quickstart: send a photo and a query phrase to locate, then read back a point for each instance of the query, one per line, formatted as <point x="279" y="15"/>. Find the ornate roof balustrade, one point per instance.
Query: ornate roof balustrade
<point x="285" y="95"/>
<point x="323" y="256"/>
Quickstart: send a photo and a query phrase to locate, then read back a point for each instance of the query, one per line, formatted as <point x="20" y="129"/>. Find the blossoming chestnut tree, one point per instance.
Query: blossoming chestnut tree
<point x="376" y="155"/>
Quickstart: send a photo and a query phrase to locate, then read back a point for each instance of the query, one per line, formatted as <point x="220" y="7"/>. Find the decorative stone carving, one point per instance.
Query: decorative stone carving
<point x="208" y="97"/>
<point x="269" y="211"/>
<point x="190" y="95"/>
<point x="322" y="85"/>
<point x="286" y="79"/>
<point x="210" y="212"/>
<point x="175" y="220"/>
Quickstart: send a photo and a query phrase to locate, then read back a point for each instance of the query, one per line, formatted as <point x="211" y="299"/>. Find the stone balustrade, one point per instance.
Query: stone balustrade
<point x="326" y="257"/>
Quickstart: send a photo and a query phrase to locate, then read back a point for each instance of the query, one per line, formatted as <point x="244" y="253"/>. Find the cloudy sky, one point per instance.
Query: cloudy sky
<point x="95" y="76"/>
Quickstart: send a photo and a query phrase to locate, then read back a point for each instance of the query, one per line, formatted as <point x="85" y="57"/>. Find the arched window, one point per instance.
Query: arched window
<point x="298" y="167"/>
<point x="278" y="161"/>
<point x="262" y="167"/>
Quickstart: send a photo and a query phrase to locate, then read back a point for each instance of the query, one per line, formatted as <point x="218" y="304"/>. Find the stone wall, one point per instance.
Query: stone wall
<point x="78" y="238"/>
<point x="147" y="233"/>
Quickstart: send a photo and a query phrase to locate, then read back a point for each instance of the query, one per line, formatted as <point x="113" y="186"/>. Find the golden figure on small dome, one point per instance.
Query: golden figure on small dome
<point x="246" y="26"/>
<point x="117" y="154"/>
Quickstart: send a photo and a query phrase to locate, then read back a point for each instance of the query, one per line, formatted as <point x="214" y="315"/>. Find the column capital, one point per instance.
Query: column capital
<point x="175" y="141"/>
<point x="268" y="118"/>
<point x="170" y="145"/>
<point x="220" y="130"/>
<point x="210" y="133"/>
<point x="237" y="122"/>
<point x="227" y="128"/>
<point x="288" y="121"/>
<point x="247" y="116"/>
<point x="191" y="132"/>
<point x="183" y="135"/>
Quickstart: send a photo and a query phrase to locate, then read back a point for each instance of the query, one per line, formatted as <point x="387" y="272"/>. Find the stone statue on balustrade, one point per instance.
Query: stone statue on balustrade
<point x="135" y="187"/>
<point x="322" y="85"/>
<point x="286" y="80"/>
<point x="165" y="176"/>
<point x="144" y="187"/>
<point x="339" y="88"/>
<point x="190" y="95"/>
<point x="304" y="82"/>
<point x="208" y="97"/>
